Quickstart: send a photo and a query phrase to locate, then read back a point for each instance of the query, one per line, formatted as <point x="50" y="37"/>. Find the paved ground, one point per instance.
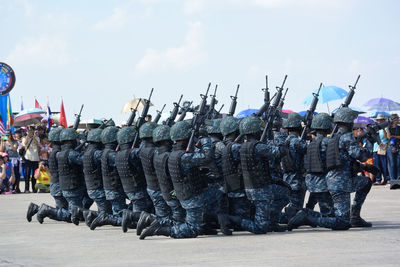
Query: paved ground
<point x="62" y="244"/>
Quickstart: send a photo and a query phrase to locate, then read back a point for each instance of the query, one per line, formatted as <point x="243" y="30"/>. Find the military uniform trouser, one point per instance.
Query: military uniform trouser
<point x="74" y="197"/>
<point x="296" y="198"/>
<point x="261" y="198"/>
<point x="341" y="203"/>
<point x="324" y="200"/>
<point x="140" y="201"/>
<point x="216" y="202"/>
<point x="162" y="210"/>
<point x="239" y="205"/>
<point x="118" y="203"/>
<point x="99" y="197"/>
<point x="55" y="191"/>
<point x="194" y="208"/>
<point x="279" y="200"/>
<point x="178" y="213"/>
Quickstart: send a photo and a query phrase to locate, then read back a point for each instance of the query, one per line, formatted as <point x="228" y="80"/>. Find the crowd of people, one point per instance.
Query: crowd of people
<point x="24" y="155"/>
<point x="385" y="150"/>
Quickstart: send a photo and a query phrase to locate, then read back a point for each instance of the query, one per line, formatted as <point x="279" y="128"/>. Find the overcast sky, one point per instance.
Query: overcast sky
<point x="102" y="53"/>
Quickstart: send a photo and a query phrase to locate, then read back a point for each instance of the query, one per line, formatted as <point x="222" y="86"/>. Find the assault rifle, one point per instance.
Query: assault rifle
<point x="272" y="112"/>
<point x="211" y="114"/>
<point x="371" y="132"/>
<point x="347" y="101"/>
<point x="142" y="118"/>
<point x="232" y="108"/>
<point x="184" y="110"/>
<point x="133" y="114"/>
<point x="282" y="101"/>
<point x="157" y="118"/>
<point x="77" y="119"/>
<point x="267" y="100"/>
<point x="174" y="113"/>
<point x="310" y="114"/>
<point x="198" y="119"/>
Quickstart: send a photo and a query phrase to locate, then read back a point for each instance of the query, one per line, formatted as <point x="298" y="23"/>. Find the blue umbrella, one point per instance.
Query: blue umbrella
<point x="363" y="120"/>
<point x="374" y="113"/>
<point x="382" y="104"/>
<point x="31" y="111"/>
<point x="327" y="94"/>
<point x="304" y="113"/>
<point x="245" y="113"/>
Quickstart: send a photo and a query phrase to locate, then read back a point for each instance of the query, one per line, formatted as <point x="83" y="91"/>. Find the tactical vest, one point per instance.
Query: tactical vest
<point x="53" y="166"/>
<point x="288" y="163"/>
<point x="146" y="157"/>
<point x="255" y="173"/>
<point x="111" y="180"/>
<point x="186" y="186"/>
<point x="313" y="161"/>
<point x="332" y="153"/>
<point x="71" y="176"/>
<point x="131" y="178"/>
<point x="164" y="179"/>
<point x="92" y="172"/>
<point x="231" y="171"/>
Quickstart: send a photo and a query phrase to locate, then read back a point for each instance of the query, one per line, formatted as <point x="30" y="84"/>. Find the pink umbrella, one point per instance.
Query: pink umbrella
<point x="287" y="111"/>
<point x="27" y="119"/>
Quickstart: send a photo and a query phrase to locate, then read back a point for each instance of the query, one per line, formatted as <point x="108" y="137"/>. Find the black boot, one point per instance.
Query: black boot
<point x="156" y="229"/>
<point x="32" y="210"/>
<point x="89" y="216"/>
<point x="355" y="218"/>
<point x="290" y="212"/>
<point x="76" y="214"/>
<point x="129" y="219"/>
<point x="145" y="220"/>
<point x="223" y="220"/>
<point x="104" y="219"/>
<point x="302" y="218"/>
<point x="46" y="211"/>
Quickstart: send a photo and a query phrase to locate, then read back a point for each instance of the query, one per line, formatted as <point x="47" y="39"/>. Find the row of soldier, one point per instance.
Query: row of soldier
<point x="230" y="181"/>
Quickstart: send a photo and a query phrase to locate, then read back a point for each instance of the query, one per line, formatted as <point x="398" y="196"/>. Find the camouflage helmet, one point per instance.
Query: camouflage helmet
<point x="321" y="121"/>
<point x="109" y="135"/>
<point x="146" y="130"/>
<point x="180" y="131"/>
<point x="229" y="125"/>
<point x="94" y="135"/>
<point x="54" y="134"/>
<point x="214" y="128"/>
<point x="68" y="134"/>
<point x="345" y="115"/>
<point x="161" y="133"/>
<point x="293" y="121"/>
<point x="126" y="135"/>
<point x="250" y="124"/>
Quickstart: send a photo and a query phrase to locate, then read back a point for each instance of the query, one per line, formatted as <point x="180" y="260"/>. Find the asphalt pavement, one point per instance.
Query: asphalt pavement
<point x="61" y="244"/>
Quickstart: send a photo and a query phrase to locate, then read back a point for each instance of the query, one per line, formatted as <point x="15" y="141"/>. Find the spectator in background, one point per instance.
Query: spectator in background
<point x="31" y="146"/>
<point x="370" y="161"/>
<point x="380" y="152"/>
<point x="7" y="178"/>
<point x="148" y="118"/>
<point x="42" y="176"/>
<point x="44" y="148"/>
<point x="393" y="157"/>
<point x="12" y="146"/>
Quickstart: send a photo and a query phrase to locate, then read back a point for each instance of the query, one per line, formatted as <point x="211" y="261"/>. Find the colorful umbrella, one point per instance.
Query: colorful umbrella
<point x="245" y="113"/>
<point x="31" y="111"/>
<point x="287" y="111"/>
<point x="375" y="113"/>
<point x="383" y="104"/>
<point x="363" y="120"/>
<point x="326" y="94"/>
<point x="27" y="119"/>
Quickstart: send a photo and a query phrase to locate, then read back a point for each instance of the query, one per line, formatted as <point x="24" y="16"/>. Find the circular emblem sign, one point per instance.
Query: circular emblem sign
<point x="7" y="78"/>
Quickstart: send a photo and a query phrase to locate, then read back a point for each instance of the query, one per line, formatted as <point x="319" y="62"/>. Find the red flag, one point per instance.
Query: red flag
<point x="37" y="105"/>
<point x="63" y="119"/>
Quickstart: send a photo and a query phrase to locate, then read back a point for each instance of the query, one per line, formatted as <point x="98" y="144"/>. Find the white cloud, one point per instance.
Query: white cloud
<point x="117" y="20"/>
<point x="47" y="52"/>
<point x="189" y="54"/>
